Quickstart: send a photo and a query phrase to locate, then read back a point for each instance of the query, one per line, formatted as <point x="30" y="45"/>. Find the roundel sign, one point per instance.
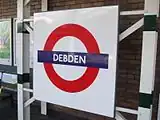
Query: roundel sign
<point x="92" y="29"/>
<point x="90" y="58"/>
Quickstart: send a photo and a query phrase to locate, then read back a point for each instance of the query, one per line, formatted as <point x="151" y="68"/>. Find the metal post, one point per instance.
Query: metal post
<point x="149" y="51"/>
<point x="22" y="60"/>
<point x="20" y="102"/>
<point x="44" y="7"/>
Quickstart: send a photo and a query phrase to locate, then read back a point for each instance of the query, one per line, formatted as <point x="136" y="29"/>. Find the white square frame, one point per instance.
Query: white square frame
<point x="8" y="61"/>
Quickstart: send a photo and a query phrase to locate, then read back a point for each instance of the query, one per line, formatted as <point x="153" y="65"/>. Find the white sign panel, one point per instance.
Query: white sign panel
<point x="75" y="55"/>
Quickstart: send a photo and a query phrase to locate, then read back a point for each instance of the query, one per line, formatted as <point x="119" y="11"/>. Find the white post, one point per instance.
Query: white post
<point x="26" y="97"/>
<point x="44" y="7"/>
<point x="22" y="60"/>
<point x="43" y="108"/>
<point x="20" y="102"/>
<point x="149" y="51"/>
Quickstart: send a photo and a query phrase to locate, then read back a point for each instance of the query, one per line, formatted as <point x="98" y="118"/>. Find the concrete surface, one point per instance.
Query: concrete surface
<point x="10" y="113"/>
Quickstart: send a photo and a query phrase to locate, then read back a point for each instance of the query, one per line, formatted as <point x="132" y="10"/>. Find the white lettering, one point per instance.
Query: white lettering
<point x="70" y="58"/>
<point x="82" y="59"/>
<point x="65" y="58"/>
<point x="55" y="57"/>
<point x="60" y="58"/>
<point x="76" y="59"/>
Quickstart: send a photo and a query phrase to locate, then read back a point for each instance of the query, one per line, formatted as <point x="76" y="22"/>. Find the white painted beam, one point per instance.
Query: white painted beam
<point x="119" y="116"/>
<point x="149" y="51"/>
<point x="131" y="29"/>
<point x="22" y="47"/>
<point x="20" y="102"/>
<point x="152" y="7"/>
<point x="26" y="2"/>
<point x="44" y="5"/>
<point x="28" y="20"/>
<point x="144" y="114"/>
<point x="43" y="108"/>
<point x="126" y="110"/>
<point x="28" y="28"/>
<point x="134" y="12"/>
<point x="26" y="97"/>
<point x="28" y="90"/>
<point x="28" y="102"/>
<point x="148" y="63"/>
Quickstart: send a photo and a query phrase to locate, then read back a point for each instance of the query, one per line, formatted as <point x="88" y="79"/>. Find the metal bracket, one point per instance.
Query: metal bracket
<point x="30" y="101"/>
<point x="21" y="28"/>
<point x="28" y="27"/>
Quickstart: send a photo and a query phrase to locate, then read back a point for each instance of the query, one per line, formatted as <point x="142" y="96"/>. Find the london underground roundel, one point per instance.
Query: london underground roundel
<point x="91" y="59"/>
<point x="94" y="59"/>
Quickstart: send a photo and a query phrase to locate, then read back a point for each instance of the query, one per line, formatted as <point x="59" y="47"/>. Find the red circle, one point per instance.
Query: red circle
<point x="91" y="45"/>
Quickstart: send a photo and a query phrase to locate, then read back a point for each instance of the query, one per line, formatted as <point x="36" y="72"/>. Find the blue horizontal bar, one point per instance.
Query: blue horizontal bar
<point x="80" y="59"/>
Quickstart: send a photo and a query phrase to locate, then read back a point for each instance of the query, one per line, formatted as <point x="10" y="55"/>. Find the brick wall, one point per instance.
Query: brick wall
<point x="35" y="6"/>
<point x="129" y="54"/>
<point x="7" y="8"/>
